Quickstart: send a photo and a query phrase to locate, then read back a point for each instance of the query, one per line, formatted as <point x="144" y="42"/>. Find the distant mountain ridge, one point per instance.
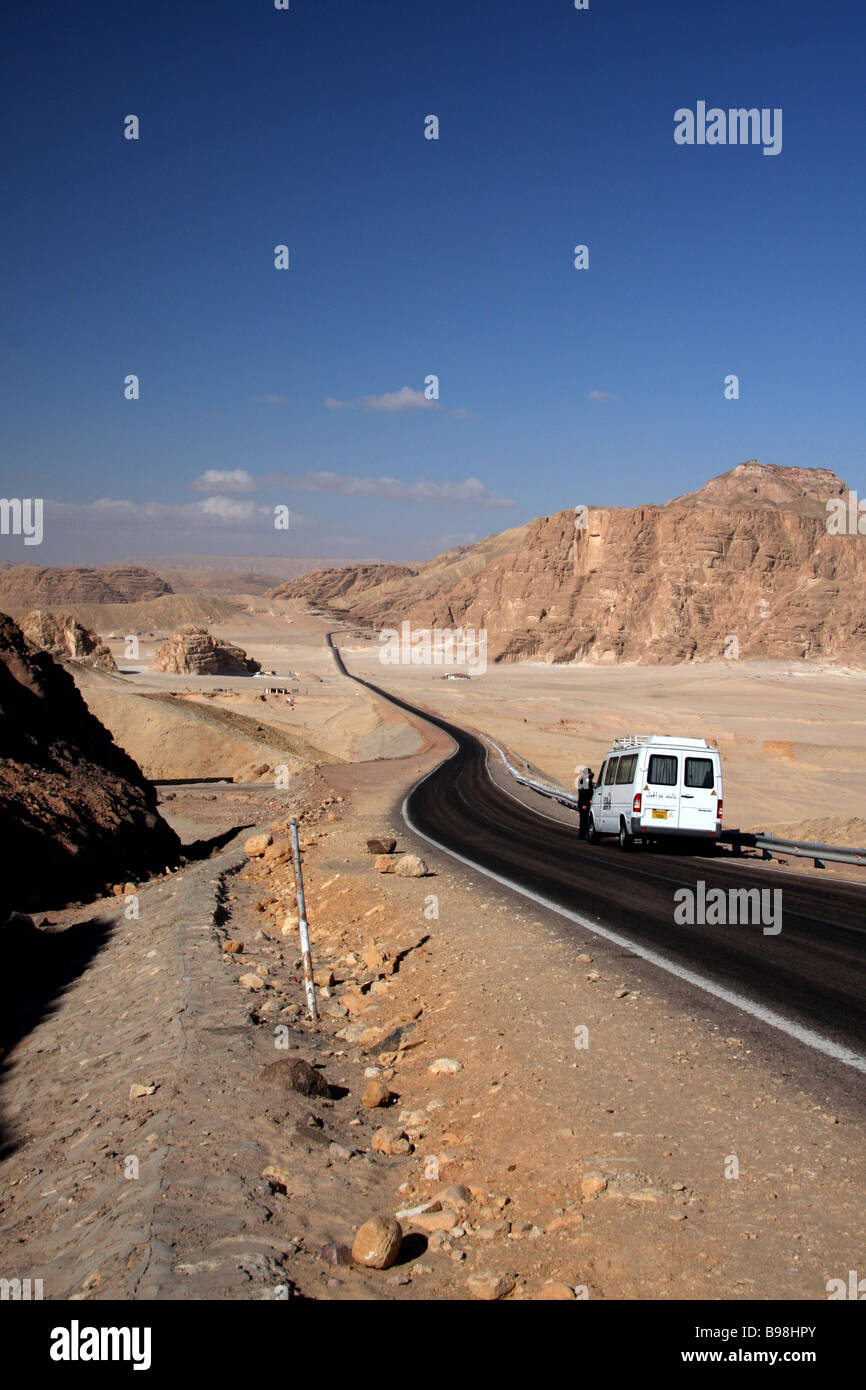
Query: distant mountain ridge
<point x="745" y="566"/>
<point x="32" y="586"/>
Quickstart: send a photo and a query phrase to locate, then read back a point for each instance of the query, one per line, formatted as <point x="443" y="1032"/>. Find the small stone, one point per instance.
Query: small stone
<point x="278" y="1177"/>
<point x="137" y="1090"/>
<point x="323" y="978"/>
<point x="252" y="981"/>
<point x="233" y="948"/>
<point x="410" y="866"/>
<point x="339" y="1151"/>
<point x="592" y="1182"/>
<point x="385" y="864"/>
<point x="444" y="1066"/>
<point x="489" y="1286"/>
<point x="297" y="1075"/>
<point x="456" y="1196"/>
<point x="375" y="1094"/>
<point x="381" y="845"/>
<point x="554" y="1292"/>
<point x="620" y="993"/>
<point x="430" y="1221"/>
<point x="378" y="1242"/>
<point x="255" y="847"/>
<point x="335" y="1254"/>
<point x="390" y="1141"/>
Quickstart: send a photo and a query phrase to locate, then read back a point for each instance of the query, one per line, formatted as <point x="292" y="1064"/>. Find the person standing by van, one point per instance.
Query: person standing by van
<point x="585" y="789"/>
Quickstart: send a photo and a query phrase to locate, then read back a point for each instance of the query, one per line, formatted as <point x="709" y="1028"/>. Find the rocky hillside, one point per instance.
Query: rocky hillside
<point x="76" y="813"/>
<point x="747" y="557"/>
<point x="195" y="651"/>
<point x="63" y="637"/>
<point x="30" y="586"/>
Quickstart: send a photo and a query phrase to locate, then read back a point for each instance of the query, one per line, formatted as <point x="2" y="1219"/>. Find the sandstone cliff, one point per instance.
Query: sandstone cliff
<point x="195" y="651"/>
<point x="747" y="560"/>
<point x="76" y="813"/>
<point x="32" y="586"/>
<point x="63" y="637"/>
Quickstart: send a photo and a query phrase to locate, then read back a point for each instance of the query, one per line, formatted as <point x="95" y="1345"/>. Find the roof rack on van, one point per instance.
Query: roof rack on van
<point x="630" y="741"/>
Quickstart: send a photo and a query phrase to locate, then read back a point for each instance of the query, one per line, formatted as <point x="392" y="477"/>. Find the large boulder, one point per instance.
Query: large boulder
<point x="75" y="811"/>
<point x="193" y="651"/>
<point x="62" y="636"/>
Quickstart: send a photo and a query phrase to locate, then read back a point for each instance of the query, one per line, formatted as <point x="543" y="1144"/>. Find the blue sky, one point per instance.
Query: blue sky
<point x="411" y="257"/>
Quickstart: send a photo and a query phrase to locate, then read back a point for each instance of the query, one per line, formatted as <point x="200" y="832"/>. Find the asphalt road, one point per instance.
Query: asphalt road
<point x="809" y="979"/>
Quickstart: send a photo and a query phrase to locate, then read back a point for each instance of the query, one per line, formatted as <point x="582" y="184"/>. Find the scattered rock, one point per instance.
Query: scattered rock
<point x="445" y="1066"/>
<point x="456" y="1196"/>
<point x="297" y="1075"/>
<point x="252" y="981"/>
<point x="592" y="1182"/>
<point x="341" y="1152"/>
<point x="385" y="864"/>
<point x="375" y="1094"/>
<point x="336" y="1254"/>
<point x="410" y="866"/>
<point x="278" y="1177"/>
<point x="381" y="845"/>
<point x="390" y="1141"/>
<point x="256" y="845"/>
<point x="554" y="1292"/>
<point x="233" y="947"/>
<point x="489" y="1286"/>
<point x="378" y="1242"/>
<point x="137" y="1090"/>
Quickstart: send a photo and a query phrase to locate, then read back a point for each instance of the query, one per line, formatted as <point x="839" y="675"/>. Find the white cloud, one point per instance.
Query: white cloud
<point x="471" y="492"/>
<point x="394" y="401"/>
<point x="269" y="400"/>
<point x="230" y="509"/>
<point x="224" y="480"/>
<point x="601" y="396"/>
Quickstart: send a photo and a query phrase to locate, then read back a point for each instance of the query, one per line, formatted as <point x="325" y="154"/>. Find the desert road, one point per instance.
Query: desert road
<point x="809" y="980"/>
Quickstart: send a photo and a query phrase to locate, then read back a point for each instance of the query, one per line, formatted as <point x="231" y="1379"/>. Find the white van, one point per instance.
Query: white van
<point x="655" y="785"/>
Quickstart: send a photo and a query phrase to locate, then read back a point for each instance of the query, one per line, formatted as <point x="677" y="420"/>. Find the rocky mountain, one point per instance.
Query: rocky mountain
<point x="745" y="566"/>
<point x="76" y="812"/>
<point x="30" y="586"/>
<point x="195" y="651"/>
<point x="63" y="637"/>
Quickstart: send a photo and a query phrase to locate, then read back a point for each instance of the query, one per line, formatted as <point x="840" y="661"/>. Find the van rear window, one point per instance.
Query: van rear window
<point x="699" y="773"/>
<point x="625" y="771"/>
<point x="663" y="770"/>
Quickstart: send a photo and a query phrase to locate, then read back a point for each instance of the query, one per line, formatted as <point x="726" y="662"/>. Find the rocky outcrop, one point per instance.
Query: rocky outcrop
<point x="63" y="637"/>
<point x="193" y="651"/>
<point x="30" y="586"/>
<point x="76" y="812"/>
<point x="745" y="567"/>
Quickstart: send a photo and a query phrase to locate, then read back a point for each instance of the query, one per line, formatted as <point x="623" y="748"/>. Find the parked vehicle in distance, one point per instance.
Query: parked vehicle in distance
<point x="656" y="786"/>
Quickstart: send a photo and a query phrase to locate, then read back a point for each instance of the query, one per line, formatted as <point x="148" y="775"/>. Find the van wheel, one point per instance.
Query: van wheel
<point x="592" y="834"/>
<point x="625" y="840"/>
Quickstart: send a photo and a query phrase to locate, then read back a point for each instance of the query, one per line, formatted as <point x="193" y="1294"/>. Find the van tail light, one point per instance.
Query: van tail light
<point x="635" y="805"/>
<point x="719" y="809"/>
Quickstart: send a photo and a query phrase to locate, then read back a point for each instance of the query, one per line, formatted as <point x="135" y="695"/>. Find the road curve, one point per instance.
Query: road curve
<point x="809" y="980"/>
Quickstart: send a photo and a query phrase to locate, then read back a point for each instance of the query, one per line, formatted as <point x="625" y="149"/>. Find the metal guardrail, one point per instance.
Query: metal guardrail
<point x="739" y="839"/>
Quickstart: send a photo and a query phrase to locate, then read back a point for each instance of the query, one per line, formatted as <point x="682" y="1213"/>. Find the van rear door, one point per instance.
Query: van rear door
<point x="699" y="791"/>
<point x="660" y="808"/>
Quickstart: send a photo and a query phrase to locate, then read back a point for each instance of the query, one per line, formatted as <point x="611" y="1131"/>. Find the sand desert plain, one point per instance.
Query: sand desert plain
<point x="549" y="1174"/>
